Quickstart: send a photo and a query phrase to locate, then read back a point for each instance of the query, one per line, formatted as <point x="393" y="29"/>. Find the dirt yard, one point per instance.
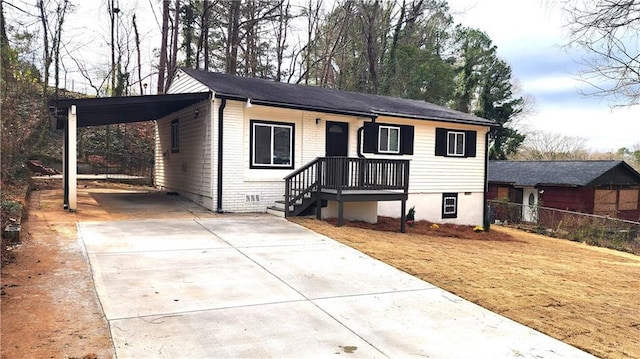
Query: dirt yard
<point x="585" y="296"/>
<point x="49" y="307"/>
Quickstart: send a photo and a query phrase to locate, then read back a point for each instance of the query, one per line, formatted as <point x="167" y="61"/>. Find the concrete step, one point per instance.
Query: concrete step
<point x="275" y="212"/>
<point x="280" y="206"/>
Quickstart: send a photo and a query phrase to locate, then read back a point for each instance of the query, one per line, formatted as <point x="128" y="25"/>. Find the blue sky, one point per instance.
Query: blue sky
<point x="532" y="45"/>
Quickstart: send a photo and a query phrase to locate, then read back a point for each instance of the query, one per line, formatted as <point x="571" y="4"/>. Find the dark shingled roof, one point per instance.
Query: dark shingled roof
<point x="560" y="173"/>
<point x="280" y="94"/>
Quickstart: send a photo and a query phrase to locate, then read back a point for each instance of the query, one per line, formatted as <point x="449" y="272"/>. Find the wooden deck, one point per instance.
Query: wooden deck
<point x="362" y="195"/>
<point x="344" y="179"/>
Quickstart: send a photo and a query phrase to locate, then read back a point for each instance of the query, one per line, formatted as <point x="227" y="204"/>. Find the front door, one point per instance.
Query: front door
<point x="337" y="145"/>
<point x="530" y="205"/>
<point x="337" y="139"/>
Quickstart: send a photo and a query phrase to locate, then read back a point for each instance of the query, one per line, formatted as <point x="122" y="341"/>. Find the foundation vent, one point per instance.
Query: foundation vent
<point x="253" y="197"/>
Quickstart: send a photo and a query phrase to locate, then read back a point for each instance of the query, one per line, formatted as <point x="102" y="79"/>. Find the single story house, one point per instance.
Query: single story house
<point x="610" y="188"/>
<point x="237" y="144"/>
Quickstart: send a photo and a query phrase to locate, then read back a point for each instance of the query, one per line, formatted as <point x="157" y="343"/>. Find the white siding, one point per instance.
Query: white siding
<point x="183" y="83"/>
<point x="429" y="207"/>
<point x="242" y="186"/>
<point x="188" y="171"/>
<point x="253" y="190"/>
<point x="436" y="174"/>
<point x="431" y="175"/>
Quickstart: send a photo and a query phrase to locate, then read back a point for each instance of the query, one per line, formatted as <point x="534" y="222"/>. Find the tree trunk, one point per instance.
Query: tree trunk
<point x="281" y="38"/>
<point x="112" y="17"/>
<point x="46" y="51"/>
<point x="372" y="45"/>
<point x="205" y="35"/>
<point x="137" y="38"/>
<point x="233" y="40"/>
<point x="61" y="11"/>
<point x="173" y="64"/>
<point x="162" y="66"/>
<point x="188" y="35"/>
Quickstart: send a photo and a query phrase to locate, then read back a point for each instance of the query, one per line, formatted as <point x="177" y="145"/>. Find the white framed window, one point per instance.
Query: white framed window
<point x="272" y="144"/>
<point x="455" y="143"/>
<point x="175" y="136"/>
<point x="389" y="139"/>
<point x="449" y="205"/>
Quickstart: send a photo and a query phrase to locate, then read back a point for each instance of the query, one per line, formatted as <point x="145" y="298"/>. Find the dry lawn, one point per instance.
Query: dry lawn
<point x="586" y="296"/>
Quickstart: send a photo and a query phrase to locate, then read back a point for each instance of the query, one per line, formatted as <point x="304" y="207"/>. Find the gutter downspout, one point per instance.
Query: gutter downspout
<point x="485" y="216"/>
<point x="223" y="104"/>
<point x="359" y="139"/>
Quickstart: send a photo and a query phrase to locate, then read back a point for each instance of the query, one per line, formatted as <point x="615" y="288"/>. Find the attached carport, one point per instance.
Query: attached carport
<point x="70" y="114"/>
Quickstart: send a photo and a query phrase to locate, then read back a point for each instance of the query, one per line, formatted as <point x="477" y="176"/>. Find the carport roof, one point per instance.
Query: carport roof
<point x="112" y="110"/>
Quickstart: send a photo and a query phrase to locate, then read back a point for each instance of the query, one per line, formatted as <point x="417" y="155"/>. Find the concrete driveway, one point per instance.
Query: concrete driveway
<point x="261" y="287"/>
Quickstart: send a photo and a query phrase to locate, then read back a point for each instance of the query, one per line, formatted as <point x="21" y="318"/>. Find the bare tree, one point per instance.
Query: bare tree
<point x="137" y="38"/>
<point x="173" y="60"/>
<point x="281" y="37"/>
<point x="540" y="145"/>
<point x="203" y="39"/>
<point x="162" y="66"/>
<point x="51" y="39"/>
<point x="610" y="31"/>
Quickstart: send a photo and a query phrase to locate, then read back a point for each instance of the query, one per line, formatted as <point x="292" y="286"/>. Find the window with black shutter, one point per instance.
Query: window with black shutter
<point x="388" y="139"/>
<point x="455" y="143"/>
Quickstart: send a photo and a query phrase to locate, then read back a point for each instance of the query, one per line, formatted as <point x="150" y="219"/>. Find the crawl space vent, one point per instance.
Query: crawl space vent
<point x="253" y="198"/>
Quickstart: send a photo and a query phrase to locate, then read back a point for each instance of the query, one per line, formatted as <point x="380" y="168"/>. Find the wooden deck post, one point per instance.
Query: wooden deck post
<point x="403" y="217"/>
<point x="340" y="212"/>
<point x="319" y="165"/>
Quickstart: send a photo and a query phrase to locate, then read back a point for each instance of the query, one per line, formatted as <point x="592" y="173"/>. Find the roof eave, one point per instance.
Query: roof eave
<point x="480" y="122"/>
<point x="373" y="114"/>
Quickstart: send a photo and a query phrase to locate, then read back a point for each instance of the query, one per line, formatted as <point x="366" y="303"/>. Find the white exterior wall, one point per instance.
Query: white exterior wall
<point x="253" y="190"/>
<point x="431" y="176"/>
<point x="429" y="207"/>
<point x="193" y="171"/>
<point x="183" y="83"/>
<point x="189" y="171"/>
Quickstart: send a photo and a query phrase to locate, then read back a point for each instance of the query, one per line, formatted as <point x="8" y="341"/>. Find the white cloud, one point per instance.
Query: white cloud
<point x="552" y="83"/>
<point x="604" y="129"/>
<point x="528" y="35"/>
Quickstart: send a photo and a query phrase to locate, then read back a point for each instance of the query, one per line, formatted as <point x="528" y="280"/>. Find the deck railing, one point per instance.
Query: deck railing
<point x="345" y="173"/>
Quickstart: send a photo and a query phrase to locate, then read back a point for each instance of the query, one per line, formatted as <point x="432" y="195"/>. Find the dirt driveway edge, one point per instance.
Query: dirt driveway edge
<point x="49" y="305"/>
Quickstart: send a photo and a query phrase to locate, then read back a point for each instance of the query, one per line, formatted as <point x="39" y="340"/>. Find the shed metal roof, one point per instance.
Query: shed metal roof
<point x="558" y="173"/>
<point x="112" y="110"/>
<point x="314" y="98"/>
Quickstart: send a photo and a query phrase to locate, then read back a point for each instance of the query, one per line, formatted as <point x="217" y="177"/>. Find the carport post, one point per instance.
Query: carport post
<point x="72" y="160"/>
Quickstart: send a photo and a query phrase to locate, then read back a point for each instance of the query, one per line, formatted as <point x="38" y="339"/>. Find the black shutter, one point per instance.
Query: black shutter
<point x="406" y="140"/>
<point x="441" y="141"/>
<point x="370" y="144"/>
<point x="470" y="143"/>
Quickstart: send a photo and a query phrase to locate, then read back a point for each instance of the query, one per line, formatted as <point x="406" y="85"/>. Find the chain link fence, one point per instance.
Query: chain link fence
<point x="592" y="229"/>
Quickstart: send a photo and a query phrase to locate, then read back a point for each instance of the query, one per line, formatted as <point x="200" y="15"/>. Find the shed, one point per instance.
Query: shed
<point x="607" y="187"/>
